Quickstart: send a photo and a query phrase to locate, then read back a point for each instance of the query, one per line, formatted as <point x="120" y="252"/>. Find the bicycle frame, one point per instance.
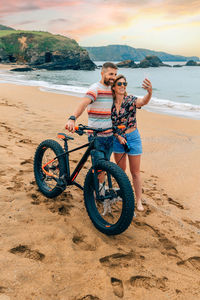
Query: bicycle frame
<point x="70" y="178"/>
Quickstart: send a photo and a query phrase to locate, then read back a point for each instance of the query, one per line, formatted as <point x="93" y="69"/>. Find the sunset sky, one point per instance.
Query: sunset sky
<point x="172" y="26"/>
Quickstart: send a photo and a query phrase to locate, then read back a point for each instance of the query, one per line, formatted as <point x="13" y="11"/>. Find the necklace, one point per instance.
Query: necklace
<point x="118" y="106"/>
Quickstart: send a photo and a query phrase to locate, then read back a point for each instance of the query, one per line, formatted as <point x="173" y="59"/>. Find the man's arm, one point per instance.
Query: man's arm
<point x="80" y="109"/>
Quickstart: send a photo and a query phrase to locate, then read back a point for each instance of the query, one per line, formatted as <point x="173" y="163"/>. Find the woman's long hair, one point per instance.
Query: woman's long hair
<point x="120" y="76"/>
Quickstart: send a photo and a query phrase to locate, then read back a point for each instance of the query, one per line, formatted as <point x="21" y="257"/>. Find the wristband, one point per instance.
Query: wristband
<point x="72" y="118"/>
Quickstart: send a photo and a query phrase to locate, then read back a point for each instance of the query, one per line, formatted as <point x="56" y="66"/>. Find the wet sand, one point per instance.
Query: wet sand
<point x="50" y="250"/>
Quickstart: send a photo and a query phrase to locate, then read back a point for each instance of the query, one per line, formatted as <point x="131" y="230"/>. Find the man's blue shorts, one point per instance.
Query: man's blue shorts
<point x="134" y="142"/>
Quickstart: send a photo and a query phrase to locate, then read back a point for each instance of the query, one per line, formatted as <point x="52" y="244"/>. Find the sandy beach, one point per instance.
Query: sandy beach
<point x="49" y="249"/>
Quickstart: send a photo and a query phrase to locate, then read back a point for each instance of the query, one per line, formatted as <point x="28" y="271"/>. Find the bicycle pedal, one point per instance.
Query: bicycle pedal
<point x="62" y="183"/>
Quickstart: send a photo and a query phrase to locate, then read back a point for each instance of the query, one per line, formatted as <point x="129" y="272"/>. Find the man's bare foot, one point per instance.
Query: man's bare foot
<point x="140" y="207"/>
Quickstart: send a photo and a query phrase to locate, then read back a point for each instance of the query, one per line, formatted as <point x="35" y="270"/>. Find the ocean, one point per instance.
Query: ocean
<point x="176" y="91"/>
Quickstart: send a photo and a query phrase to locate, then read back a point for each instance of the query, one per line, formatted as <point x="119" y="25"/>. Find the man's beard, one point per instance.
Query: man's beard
<point x="107" y="82"/>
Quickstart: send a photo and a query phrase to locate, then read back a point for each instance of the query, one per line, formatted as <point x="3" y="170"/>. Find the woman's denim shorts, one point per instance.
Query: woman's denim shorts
<point x="134" y="143"/>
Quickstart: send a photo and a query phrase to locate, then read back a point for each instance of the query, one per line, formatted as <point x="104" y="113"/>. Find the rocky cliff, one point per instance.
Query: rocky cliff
<point x="43" y="50"/>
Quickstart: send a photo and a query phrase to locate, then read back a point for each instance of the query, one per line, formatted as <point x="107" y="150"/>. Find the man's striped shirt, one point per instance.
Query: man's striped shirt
<point x="99" y="111"/>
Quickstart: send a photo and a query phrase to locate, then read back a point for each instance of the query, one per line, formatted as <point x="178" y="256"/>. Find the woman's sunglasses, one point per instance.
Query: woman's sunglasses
<point x="122" y="83"/>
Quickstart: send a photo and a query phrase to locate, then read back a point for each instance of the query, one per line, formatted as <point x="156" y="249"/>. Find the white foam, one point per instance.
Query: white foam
<point x="174" y="108"/>
<point x="155" y="105"/>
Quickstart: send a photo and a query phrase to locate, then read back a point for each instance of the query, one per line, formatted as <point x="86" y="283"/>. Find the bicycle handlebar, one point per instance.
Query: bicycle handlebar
<point x="80" y="128"/>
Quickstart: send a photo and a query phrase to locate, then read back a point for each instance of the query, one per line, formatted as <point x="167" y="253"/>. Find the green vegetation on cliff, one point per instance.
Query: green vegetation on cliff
<point x="19" y="42"/>
<point x="2" y="27"/>
<point x="41" y="48"/>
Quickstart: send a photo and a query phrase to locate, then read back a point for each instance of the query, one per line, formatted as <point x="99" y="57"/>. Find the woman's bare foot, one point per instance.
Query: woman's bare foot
<point x="140" y="206"/>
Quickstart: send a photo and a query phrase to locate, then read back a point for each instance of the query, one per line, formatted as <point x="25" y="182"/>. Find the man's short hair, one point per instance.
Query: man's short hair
<point x="109" y="65"/>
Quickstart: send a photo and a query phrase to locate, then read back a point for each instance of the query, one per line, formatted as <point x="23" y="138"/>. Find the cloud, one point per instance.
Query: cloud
<point x="13" y="6"/>
<point x="181" y="22"/>
<point x="59" y="20"/>
<point x="174" y="8"/>
<point x="82" y="18"/>
<point x="26" y="22"/>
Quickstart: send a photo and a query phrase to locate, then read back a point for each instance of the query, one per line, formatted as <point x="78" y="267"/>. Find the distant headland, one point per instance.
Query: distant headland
<point x="124" y="52"/>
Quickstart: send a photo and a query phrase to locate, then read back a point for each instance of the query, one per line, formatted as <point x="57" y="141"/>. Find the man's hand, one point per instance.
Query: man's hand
<point x="70" y="126"/>
<point x="80" y="109"/>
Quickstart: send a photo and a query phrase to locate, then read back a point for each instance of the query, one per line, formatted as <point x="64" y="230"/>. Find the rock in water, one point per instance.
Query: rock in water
<point x="152" y="61"/>
<point x="27" y="69"/>
<point x="127" y="64"/>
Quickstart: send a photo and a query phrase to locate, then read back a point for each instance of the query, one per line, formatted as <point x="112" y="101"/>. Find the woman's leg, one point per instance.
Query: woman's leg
<point x="134" y="163"/>
<point x="120" y="161"/>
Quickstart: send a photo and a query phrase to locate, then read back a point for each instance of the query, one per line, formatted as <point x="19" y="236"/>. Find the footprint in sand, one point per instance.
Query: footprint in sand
<point x="173" y="202"/>
<point x="66" y="196"/>
<point x="4" y="102"/>
<point x="4" y="147"/>
<point x="118" y="288"/>
<point x="117" y="259"/>
<point x="78" y="240"/>
<point x="148" y="282"/>
<point x="61" y="204"/>
<point x="26" y="141"/>
<point x="17" y="181"/>
<point x="24" y="251"/>
<point x="168" y="245"/>
<point x="149" y="210"/>
<point x="36" y="199"/>
<point x="193" y="223"/>
<point x="2" y="289"/>
<point x="27" y="161"/>
<point x="60" y="208"/>
<point x="89" y="297"/>
<point x="193" y="260"/>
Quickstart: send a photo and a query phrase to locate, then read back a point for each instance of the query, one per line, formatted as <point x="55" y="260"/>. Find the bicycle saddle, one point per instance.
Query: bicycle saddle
<point x="64" y="136"/>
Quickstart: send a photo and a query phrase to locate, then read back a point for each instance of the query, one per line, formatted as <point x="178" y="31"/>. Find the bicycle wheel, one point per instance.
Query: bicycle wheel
<point x="48" y="175"/>
<point x="110" y="205"/>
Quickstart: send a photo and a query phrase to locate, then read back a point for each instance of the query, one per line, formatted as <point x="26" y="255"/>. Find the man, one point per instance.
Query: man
<point x="98" y="100"/>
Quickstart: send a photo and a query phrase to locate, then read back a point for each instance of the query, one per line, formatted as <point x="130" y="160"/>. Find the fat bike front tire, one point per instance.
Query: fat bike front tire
<point x="118" y="194"/>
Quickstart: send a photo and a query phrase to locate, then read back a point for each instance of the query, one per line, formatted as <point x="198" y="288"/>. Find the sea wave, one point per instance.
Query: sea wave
<point x="174" y="108"/>
<point x="158" y="105"/>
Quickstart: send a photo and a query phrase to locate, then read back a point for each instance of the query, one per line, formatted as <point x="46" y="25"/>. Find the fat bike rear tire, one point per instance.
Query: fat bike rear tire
<point x="47" y="184"/>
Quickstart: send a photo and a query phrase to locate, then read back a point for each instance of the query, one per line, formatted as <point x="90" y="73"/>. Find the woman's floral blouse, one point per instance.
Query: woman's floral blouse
<point x="126" y="115"/>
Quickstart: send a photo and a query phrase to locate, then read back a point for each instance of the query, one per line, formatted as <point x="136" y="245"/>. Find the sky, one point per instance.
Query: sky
<point x="172" y="26"/>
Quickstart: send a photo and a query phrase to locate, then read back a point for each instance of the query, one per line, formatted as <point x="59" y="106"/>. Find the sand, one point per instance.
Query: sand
<point x="49" y="249"/>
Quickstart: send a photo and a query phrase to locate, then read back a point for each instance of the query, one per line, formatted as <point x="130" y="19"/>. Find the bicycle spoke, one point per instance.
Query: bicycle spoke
<point x="109" y="203"/>
<point x="52" y="168"/>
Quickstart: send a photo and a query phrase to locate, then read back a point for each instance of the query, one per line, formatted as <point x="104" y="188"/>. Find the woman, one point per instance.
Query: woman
<point x="124" y="112"/>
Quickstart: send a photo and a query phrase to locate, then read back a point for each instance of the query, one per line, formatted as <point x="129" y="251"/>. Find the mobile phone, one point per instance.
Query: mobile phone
<point x="126" y="147"/>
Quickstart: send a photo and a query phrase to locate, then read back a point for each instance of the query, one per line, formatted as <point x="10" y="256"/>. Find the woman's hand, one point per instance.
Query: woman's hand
<point x="147" y="85"/>
<point x="121" y="139"/>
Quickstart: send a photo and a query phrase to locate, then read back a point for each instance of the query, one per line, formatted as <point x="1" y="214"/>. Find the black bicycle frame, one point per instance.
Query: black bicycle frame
<point x="70" y="179"/>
